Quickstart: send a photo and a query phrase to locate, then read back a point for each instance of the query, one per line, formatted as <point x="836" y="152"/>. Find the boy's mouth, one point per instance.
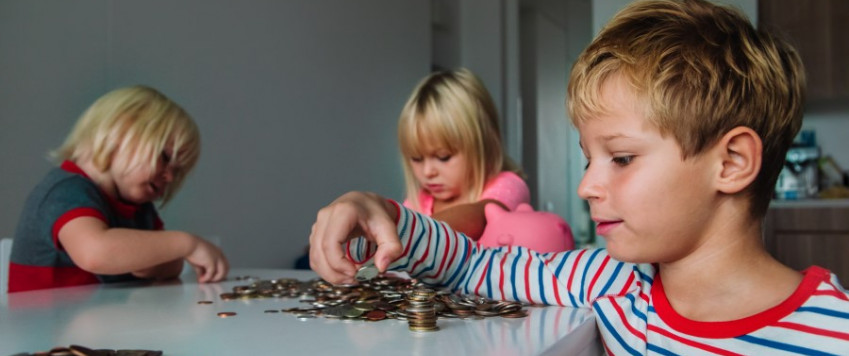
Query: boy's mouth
<point x="605" y="226"/>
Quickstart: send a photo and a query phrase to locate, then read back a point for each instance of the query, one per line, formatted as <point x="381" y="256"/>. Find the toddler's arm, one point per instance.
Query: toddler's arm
<point x="165" y="270"/>
<point x="96" y="248"/>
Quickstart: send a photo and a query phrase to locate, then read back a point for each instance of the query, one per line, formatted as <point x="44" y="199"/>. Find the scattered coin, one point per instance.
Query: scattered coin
<point x="77" y="350"/>
<point x="226" y="314"/>
<point x="204" y="302"/>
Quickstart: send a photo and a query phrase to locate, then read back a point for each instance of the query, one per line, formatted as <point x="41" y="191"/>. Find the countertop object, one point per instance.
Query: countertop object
<point x="168" y="317"/>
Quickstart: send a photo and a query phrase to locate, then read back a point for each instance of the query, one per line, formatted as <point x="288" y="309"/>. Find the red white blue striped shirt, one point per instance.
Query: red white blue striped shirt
<point x="632" y="313"/>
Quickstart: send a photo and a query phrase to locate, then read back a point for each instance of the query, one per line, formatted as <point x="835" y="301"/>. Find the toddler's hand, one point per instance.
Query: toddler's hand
<point x="208" y="261"/>
<point x="351" y="215"/>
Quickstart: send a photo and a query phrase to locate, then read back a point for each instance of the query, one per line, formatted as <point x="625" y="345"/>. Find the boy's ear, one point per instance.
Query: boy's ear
<point x="739" y="151"/>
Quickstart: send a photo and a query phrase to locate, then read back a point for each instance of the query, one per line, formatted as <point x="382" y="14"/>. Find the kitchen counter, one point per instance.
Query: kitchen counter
<point x="810" y="203"/>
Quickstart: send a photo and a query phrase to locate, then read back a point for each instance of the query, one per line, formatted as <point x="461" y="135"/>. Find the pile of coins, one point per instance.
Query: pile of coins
<point x="374" y="299"/>
<point x="77" y="350"/>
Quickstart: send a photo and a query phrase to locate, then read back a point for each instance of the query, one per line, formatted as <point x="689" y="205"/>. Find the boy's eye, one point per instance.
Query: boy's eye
<point x="165" y="157"/>
<point x="623" y="160"/>
<point x="444" y="158"/>
<point x="416" y="159"/>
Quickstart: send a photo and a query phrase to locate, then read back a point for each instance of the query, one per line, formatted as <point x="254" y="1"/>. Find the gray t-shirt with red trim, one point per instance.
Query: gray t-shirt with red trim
<point x="38" y="259"/>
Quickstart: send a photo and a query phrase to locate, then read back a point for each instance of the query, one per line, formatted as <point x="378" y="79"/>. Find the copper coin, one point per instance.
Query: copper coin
<point x="515" y="314"/>
<point x="228" y="296"/>
<point x="226" y="314"/>
<point x="376" y="315"/>
<point x="204" y="302"/>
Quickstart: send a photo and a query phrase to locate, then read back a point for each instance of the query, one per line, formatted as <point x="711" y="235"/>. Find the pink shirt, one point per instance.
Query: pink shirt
<point x="506" y="187"/>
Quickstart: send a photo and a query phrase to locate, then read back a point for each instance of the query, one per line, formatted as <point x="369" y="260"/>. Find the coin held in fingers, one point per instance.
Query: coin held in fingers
<point x="366" y="273"/>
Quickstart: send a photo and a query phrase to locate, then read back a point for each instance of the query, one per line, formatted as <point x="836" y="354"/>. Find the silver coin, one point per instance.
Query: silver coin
<point x="366" y="273"/>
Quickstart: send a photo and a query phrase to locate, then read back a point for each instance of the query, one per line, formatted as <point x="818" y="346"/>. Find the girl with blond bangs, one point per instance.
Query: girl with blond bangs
<point x="93" y="219"/>
<point x="453" y="162"/>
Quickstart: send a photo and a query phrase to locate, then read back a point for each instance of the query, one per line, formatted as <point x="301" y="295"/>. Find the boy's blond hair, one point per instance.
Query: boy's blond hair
<point x="453" y="109"/>
<point x="134" y="124"/>
<point x="700" y="70"/>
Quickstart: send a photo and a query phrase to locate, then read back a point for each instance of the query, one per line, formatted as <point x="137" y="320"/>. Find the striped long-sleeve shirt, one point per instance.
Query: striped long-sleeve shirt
<point x="631" y="309"/>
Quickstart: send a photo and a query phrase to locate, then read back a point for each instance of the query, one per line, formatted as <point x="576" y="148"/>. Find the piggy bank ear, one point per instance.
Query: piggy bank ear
<point x="524" y="207"/>
<point x="493" y="212"/>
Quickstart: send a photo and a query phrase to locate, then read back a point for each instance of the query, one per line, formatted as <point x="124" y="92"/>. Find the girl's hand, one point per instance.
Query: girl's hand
<point x="208" y="261"/>
<point x="352" y="215"/>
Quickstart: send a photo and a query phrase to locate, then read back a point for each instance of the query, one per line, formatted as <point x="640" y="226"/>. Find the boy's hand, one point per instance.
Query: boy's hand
<point x="352" y="215"/>
<point x="208" y="261"/>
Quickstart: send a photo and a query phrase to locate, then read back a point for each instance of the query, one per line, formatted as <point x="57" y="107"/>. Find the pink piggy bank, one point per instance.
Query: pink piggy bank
<point x="537" y="230"/>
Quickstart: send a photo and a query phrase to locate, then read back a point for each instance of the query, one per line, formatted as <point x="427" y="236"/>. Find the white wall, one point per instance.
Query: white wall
<point x="483" y="36"/>
<point x="553" y="34"/>
<point x="297" y="101"/>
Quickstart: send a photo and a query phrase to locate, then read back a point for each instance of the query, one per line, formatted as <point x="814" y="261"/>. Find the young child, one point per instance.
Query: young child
<point x="685" y="113"/>
<point x="92" y="220"/>
<point x="451" y="151"/>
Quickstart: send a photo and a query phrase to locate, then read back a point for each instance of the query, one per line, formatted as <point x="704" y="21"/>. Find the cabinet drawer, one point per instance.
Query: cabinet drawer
<point x="800" y="251"/>
<point x="832" y="220"/>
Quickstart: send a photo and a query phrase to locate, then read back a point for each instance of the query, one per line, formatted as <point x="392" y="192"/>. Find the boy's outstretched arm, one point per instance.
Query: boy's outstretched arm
<point x="99" y="249"/>
<point x="435" y="254"/>
<point x="351" y="215"/>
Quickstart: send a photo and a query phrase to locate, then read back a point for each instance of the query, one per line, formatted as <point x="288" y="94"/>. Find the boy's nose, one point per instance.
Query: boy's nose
<point x="589" y="188"/>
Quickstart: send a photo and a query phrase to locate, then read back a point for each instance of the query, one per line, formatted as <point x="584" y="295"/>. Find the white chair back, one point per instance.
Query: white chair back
<point x="5" y="254"/>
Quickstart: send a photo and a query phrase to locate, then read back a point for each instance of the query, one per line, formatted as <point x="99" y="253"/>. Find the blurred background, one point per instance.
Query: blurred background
<point x="297" y="101"/>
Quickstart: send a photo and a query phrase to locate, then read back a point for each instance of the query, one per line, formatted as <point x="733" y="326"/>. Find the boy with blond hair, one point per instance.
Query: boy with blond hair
<point x="685" y="114"/>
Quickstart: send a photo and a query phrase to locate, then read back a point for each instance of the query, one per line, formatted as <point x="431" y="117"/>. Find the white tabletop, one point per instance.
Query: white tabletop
<point x="167" y="317"/>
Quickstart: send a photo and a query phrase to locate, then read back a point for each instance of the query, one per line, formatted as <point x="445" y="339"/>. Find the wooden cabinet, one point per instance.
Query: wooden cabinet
<point x="810" y="233"/>
<point x="819" y="30"/>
